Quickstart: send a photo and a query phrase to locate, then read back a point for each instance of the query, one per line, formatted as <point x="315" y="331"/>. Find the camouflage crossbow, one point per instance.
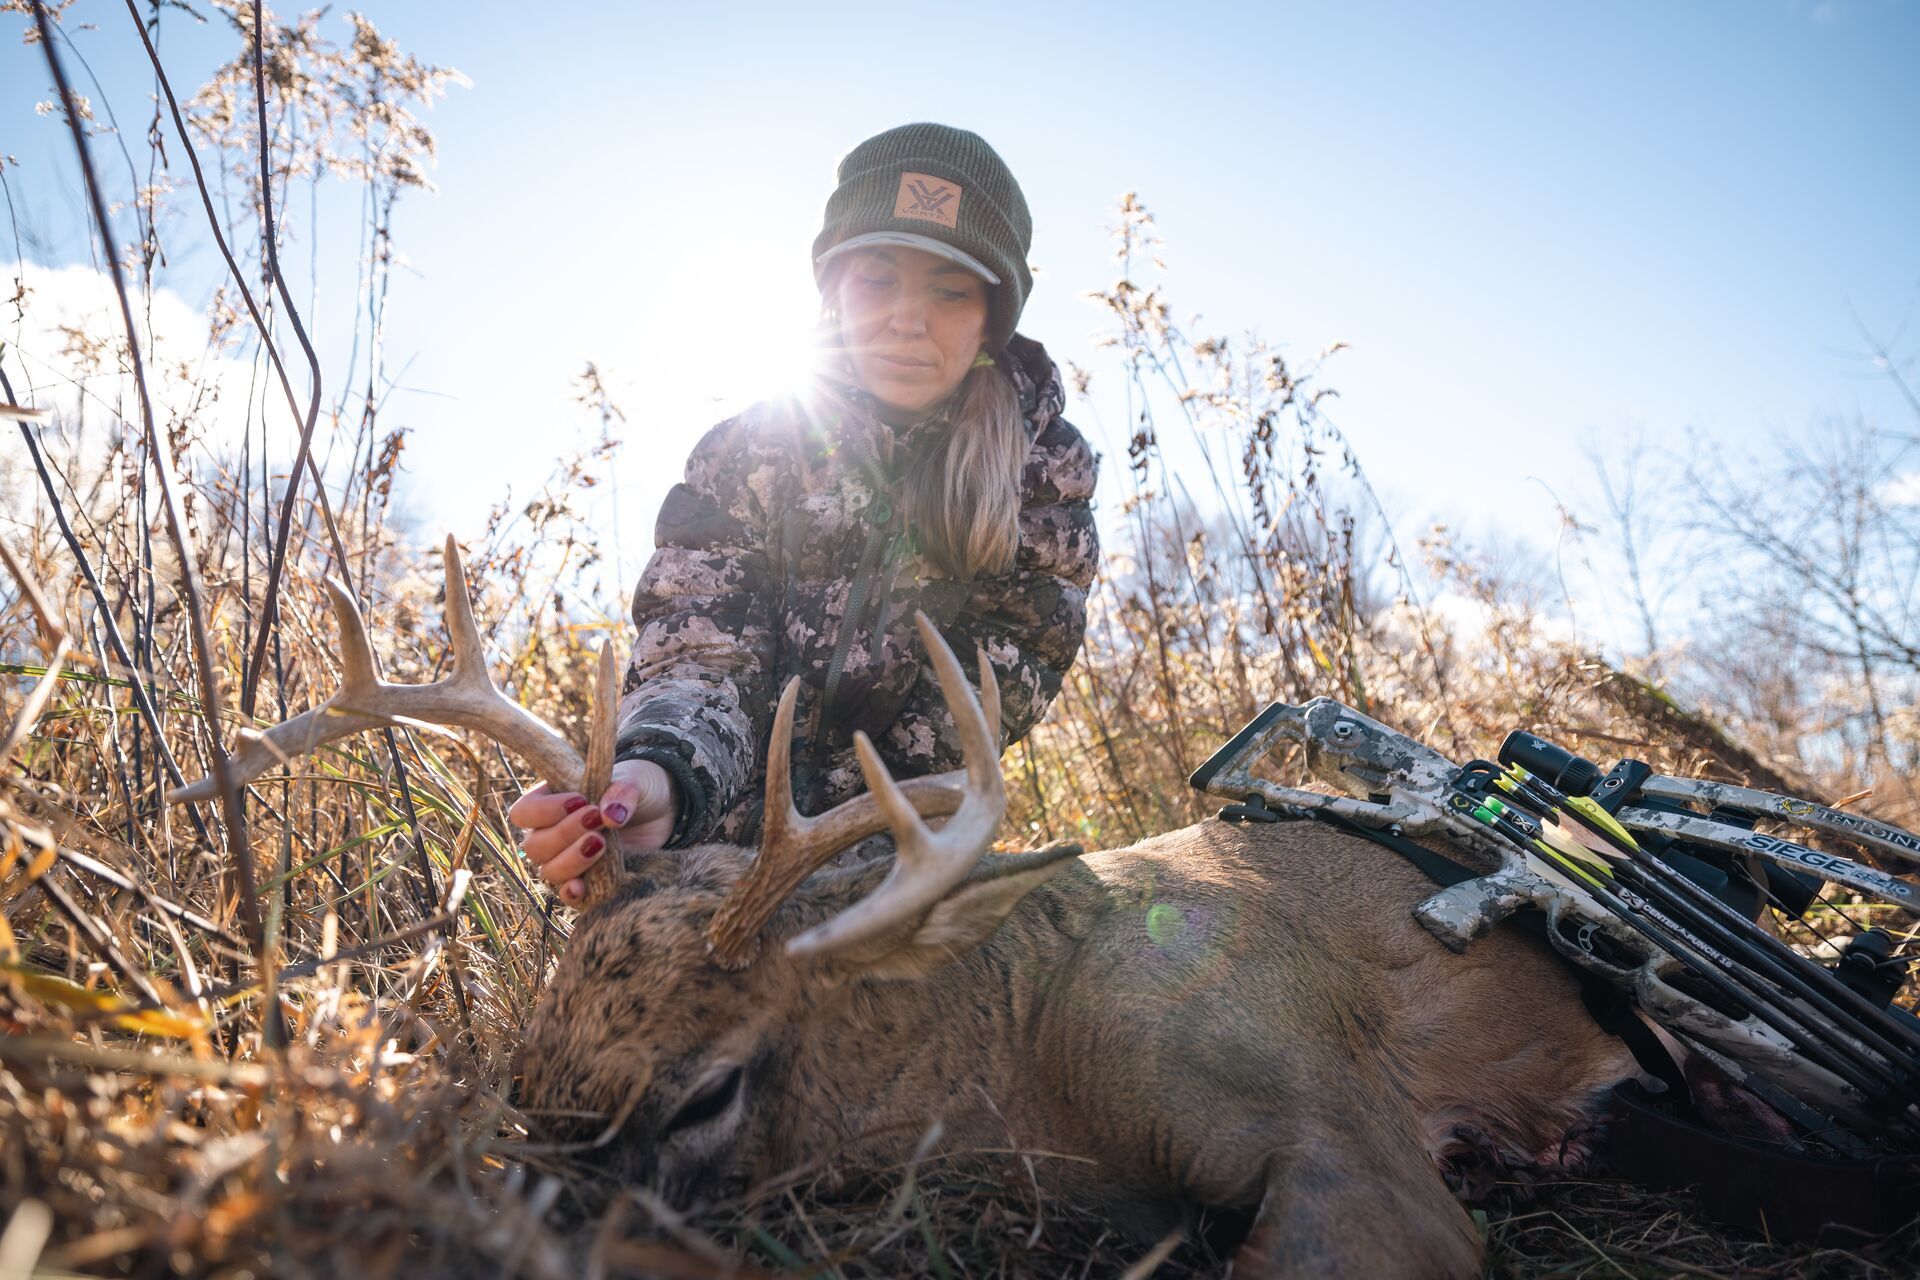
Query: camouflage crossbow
<point x="1652" y="883"/>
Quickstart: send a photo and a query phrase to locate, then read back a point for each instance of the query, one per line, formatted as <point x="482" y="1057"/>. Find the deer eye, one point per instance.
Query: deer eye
<point x="707" y="1103"/>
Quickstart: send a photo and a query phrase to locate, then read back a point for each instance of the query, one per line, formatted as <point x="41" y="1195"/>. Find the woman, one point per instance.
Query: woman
<point x="930" y="470"/>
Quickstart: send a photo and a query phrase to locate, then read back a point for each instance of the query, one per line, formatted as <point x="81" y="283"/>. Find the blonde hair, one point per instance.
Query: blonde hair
<point x="961" y="494"/>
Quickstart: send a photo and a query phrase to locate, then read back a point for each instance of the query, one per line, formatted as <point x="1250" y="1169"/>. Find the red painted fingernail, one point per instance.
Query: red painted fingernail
<point x="616" y="814"/>
<point x="592" y="820"/>
<point x="594" y="845"/>
<point x="574" y="803"/>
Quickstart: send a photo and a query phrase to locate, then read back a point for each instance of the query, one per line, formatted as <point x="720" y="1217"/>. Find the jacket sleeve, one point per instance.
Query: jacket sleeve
<point x="696" y="686"/>
<point x="1030" y="620"/>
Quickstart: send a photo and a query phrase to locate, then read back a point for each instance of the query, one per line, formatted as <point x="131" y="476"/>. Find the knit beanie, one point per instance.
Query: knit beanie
<point x="945" y="184"/>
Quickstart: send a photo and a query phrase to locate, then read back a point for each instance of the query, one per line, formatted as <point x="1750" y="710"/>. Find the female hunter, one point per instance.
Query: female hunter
<point x="928" y="469"/>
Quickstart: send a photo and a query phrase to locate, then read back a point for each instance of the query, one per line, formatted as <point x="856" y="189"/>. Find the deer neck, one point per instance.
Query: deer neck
<point x="887" y="1058"/>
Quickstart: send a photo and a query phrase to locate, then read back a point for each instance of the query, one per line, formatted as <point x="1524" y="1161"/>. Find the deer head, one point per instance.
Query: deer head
<point x="680" y="1012"/>
<point x="694" y="1013"/>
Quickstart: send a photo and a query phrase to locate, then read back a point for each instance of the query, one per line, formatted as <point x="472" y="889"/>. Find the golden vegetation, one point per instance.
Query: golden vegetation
<point x="315" y="1083"/>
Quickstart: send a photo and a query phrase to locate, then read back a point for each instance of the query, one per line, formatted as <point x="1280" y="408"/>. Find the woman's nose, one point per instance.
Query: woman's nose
<point x="909" y="316"/>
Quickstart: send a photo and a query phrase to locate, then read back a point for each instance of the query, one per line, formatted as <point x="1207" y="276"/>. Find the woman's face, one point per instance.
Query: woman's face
<point x="912" y="323"/>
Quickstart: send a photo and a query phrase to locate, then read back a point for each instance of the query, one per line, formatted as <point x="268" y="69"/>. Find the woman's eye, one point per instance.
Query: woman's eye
<point x="952" y="295"/>
<point x="873" y="284"/>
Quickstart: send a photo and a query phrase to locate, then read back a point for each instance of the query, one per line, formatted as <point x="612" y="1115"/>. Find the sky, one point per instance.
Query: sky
<point x="1542" y="228"/>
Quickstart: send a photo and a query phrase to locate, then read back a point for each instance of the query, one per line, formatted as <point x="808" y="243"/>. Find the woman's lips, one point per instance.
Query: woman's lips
<point x="906" y="364"/>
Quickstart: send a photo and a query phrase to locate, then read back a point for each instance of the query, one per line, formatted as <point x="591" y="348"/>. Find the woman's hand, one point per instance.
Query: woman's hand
<point x="565" y="834"/>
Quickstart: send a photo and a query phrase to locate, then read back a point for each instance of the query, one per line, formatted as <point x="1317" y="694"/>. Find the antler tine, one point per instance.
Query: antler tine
<point x="784" y="847"/>
<point x="469" y="653"/>
<point x="365" y="701"/>
<point x="779" y="818"/>
<point x="927" y="865"/>
<point x="600" y="735"/>
<point x="359" y="678"/>
<point x="600" y="882"/>
<point x="976" y="719"/>
<point x="359" y="672"/>
<point x="989" y="702"/>
<point x="793" y="847"/>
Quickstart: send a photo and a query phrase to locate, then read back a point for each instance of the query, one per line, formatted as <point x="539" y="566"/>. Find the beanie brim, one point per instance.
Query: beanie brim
<point x="906" y="240"/>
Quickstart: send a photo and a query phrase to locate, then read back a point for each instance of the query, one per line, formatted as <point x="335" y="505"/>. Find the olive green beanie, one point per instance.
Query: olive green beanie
<point x="946" y="184"/>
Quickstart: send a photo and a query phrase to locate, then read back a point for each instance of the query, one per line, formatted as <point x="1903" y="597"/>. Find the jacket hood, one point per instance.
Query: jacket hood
<point x="1043" y="397"/>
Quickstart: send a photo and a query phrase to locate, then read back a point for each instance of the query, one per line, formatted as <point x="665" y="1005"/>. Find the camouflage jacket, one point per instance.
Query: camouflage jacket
<point x="756" y="561"/>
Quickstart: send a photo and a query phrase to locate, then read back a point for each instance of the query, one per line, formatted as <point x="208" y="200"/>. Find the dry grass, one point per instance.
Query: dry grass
<point x="1613" y="1228"/>
<point x="182" y="1094"/>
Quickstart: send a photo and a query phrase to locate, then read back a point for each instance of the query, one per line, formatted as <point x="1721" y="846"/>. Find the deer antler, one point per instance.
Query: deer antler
<point x="926" y="865"/>
<point x="466" y="697"/>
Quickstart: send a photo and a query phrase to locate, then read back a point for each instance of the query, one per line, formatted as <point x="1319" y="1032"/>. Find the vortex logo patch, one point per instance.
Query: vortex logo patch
<point x="928" y="199"/>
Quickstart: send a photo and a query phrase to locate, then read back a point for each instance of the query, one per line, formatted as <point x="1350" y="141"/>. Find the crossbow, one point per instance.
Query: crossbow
<point x="1655" y="884"/>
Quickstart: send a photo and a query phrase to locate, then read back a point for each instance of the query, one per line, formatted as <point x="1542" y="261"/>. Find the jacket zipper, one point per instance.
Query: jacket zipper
<point x="880" y="521"/>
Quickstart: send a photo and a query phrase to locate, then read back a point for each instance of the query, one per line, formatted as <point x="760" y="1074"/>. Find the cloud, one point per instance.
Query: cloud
<point x="65" y="351"/>
<point x="1469" y="616"/>
<point x="1903" y="490"/>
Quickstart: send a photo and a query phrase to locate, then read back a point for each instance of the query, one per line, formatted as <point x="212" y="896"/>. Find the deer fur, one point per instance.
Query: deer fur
<point x="1238" y="1018"/>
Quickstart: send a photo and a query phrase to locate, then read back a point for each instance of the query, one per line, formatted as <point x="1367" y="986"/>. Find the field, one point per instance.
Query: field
<point x="275" y="1035"/>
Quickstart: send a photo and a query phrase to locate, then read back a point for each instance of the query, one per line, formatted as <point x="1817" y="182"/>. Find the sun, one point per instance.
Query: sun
<point x="795" y="362"/>
<point x="762" y="351"/>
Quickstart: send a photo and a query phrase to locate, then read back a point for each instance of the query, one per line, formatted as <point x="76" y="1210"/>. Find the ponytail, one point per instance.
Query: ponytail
<point x="961" y="496"/>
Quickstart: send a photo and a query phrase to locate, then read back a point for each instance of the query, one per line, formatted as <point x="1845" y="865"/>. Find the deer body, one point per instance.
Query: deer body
<point x="1240" y="1018"/>
<point x="1229" y="1017"/>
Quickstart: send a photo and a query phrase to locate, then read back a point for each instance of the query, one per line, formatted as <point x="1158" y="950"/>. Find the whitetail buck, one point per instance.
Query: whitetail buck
<point x="1240" y="1018"/>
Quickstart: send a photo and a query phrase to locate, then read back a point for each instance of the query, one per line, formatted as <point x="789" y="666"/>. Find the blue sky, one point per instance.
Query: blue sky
<point x="1539" y="226"/>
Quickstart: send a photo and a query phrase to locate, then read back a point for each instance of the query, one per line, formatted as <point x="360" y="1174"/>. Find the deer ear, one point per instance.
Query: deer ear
<point x="961" y="921"/>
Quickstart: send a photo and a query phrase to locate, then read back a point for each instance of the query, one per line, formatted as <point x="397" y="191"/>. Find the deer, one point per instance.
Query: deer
<point x="1239" y="1019"/>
